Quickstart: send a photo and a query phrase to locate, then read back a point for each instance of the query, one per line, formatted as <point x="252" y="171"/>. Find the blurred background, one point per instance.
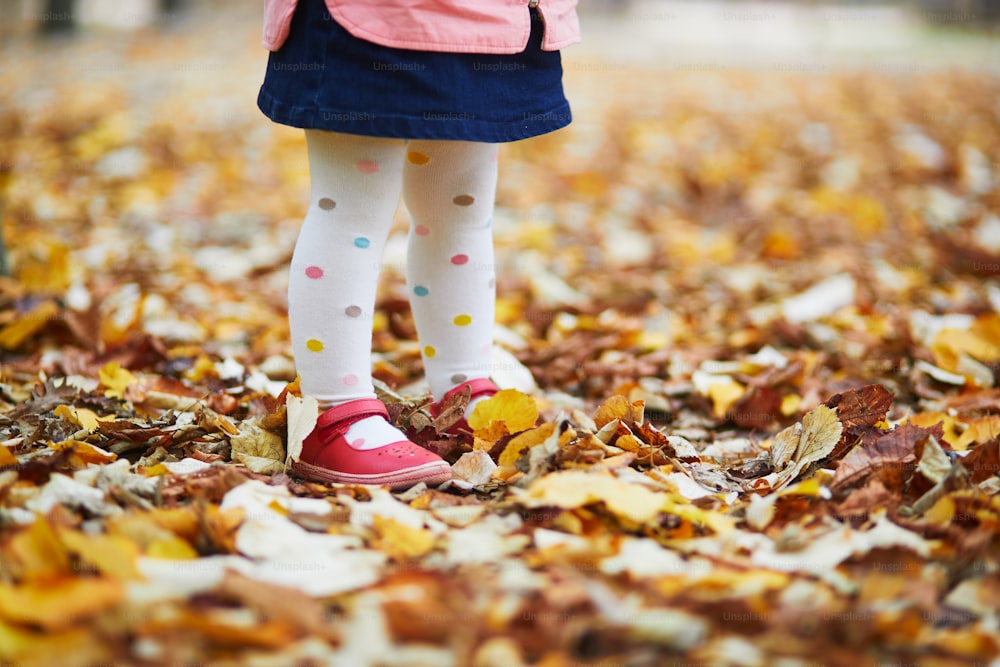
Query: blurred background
<point x="722" y="153"/>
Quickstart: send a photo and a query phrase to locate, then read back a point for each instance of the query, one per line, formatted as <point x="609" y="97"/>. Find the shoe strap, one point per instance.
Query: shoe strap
<point x="342" y="416"/>
<point x="477" y="386"/>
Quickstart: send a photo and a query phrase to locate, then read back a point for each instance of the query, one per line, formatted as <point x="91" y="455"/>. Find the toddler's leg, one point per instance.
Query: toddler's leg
<point x="356" y="183"/>
<point x="449" y="189"/>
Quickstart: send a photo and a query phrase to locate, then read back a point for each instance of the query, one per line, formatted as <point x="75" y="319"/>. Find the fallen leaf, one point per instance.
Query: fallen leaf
<point x="259" y="450"/>
<point x="112" y="555"/>
<point x="572" y="489"/>
<point x="400" y="541"/>
<point x="36" y="553"/>
<point x="473" y="469"/>
<point x="302" y="415"/>
<point x="983" y="461"/>
<point x="892" y="458"/>
<point x="14" y="334"/>
<point x="821" y="430"/>
<point x="115" y="379"/>
<point x="58" y="603"/>
<point x="507" y="412"/>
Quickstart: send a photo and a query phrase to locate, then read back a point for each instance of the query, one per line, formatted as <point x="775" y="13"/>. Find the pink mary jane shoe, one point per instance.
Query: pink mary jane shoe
<point x="328" y="457"/>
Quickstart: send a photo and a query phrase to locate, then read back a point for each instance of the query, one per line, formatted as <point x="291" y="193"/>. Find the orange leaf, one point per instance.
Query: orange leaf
<point x="58" y="603"/>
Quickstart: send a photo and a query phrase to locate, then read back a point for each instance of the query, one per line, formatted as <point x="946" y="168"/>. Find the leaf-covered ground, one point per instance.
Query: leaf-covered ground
<point x="749" y="320"/>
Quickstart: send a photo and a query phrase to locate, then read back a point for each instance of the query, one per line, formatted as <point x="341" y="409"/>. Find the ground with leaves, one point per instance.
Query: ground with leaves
<point x="749" y="323"/>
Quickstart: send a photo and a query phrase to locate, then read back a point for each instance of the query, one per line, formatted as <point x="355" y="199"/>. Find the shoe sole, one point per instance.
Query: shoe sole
<point x="434" y="473"/>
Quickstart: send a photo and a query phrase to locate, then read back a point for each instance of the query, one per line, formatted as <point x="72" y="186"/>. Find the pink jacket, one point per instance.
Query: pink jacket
<point x="453" y="26"/>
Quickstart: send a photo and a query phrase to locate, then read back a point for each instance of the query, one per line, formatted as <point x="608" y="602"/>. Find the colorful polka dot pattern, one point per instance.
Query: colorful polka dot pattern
<point x="416" y="157"/>
<point x="459" y="260"/>
<point x="420" y="290"/>
<point x="327" y="204"/>
<point x="462" y="320"/>
<point x="464" y="200"/>
<point x="429" y="351"/>
<point x="314" y="272"/>
<point x="362" y="242"/>
<point x="314" y="345"/>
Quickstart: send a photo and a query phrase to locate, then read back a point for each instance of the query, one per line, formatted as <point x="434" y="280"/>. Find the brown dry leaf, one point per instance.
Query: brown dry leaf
<point x="289" y="605"/>
<point x="983" y="462"/>
<point x="858" y="409"/>
<point x="892" y="458"/>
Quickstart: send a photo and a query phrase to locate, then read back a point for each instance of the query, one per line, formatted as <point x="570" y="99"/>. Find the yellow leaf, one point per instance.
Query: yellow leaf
<point x="783" y="446"/>
<point x="156" y="531"/>
<point x="85" y="451"/>
<point x="511" y="409"/>
<point x="252" y="440"/>
<point x="43" y="648"/>
<point x="616" y="407"/>
<point x="950" y="344"/>
<point x="203" y="368"/>
<point x="155" y="470"/>
<point x="58" y="603"/>
<point x="7" y="458"/>
<point x="519" y="443"/>
<point x="15" y="641"/>
<point x="941" y="512"/>
<point x="112" y="555"/>
<point x="278" y="507"/>
<point x="401" y="541"/>
<point x="807" y="487"/>
<point x="723" y="395"/>
<point x="171" y="548"/>
<point x="82" y="417"/>
<point x="978" y="432"/>
<point x="36" y="553"/>
<point x="867" y="215"/>
<point x="115" y="379"/>
<point x="182" y="521"/>
<point x="570" y="489"/>
<point x="821" y="432"/>
<point x="18" y="331"/>
<point x="790" y="404"/>
<point x="949" y="424"/>
<point x="779" y="244"/>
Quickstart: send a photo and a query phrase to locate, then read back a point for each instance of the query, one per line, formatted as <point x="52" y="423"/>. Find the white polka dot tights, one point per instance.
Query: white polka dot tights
<point x="448" y="187"/>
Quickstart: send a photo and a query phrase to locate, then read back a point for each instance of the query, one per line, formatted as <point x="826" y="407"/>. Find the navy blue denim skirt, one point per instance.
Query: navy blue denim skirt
<point x="325" y="78"/>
